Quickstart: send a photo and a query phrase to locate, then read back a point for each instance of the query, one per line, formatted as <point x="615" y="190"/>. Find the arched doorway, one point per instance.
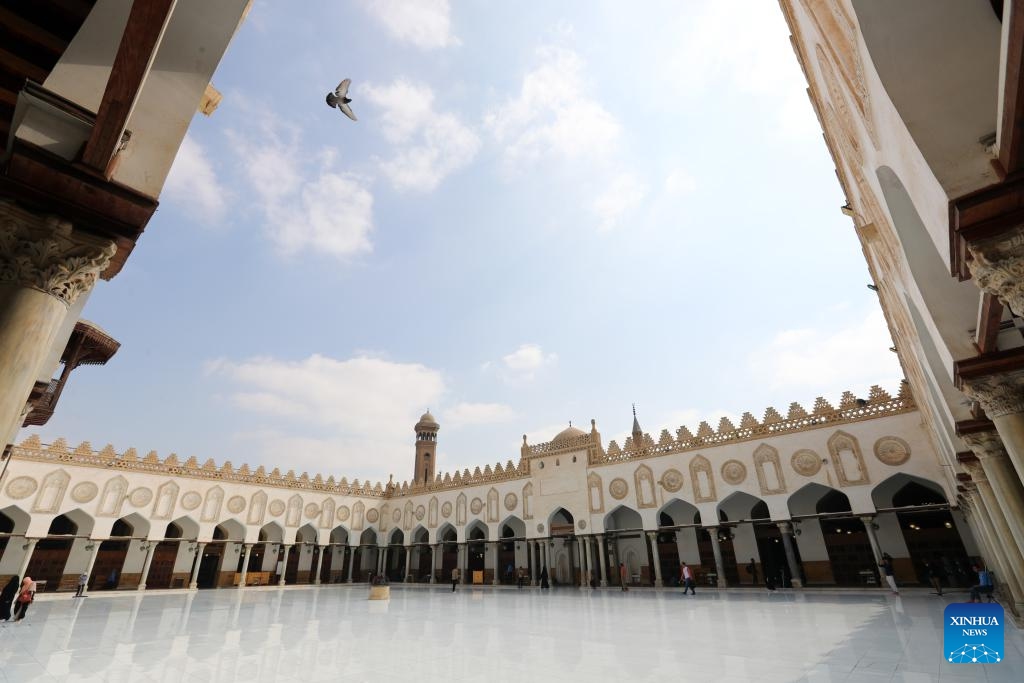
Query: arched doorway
<point x="396" y="557"/>
<point x="216" y="570"/>
<point x="301" y="558"/>
<point x="561" y="558"/>
<point x="110" y="557"/>
<point x="51" y="554"/>
<point x="13" y="525"/>
<point x="679" y="540"/>
<point x="627" y="546"/>
<point x="511" y="551"/>
<point x="165" y="554"/>
<point x="832" y="541"/>
<point x="422" y="555"/>
<point x="270" y="544"/>
<point x="449" y="551"/>
<point x="366" y="556"/>
<point x="335" y="568"/>
<point x="476" y="549"/>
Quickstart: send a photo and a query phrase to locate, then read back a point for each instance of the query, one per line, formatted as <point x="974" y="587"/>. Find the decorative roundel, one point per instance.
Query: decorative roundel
<point x="446" y="510"/>
<point x="582" y="524"/>
<point x="140" y="497"/>
<point x="672" y="480"/>
<point x="476" y="506"/>
<point x="396" y="516"/>
<point x="618" y="488"/>
<point x="540" y="528"/>
<point x="236" y="504"/>
<point x="372" y="515"/>
<point x="511" y="500"/>
<point x="276" y="507"/>
<point x="892" y="450"/>
<point x="192" y="499"/>
<point x="420" y="513"/>
<point x="22" y="487"/>
<point x="312" y="510"/>
<point x="342" y="513"/>
<point x="806" y="462"/>
<point x="734" y="472"/>
<point x="84" y="492"/>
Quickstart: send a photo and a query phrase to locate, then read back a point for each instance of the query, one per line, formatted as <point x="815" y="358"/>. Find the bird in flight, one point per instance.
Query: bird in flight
<point x="339" y="98"/>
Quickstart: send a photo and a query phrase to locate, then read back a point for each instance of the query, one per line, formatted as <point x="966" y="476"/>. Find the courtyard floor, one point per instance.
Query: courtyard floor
<point x="334" y="633"/>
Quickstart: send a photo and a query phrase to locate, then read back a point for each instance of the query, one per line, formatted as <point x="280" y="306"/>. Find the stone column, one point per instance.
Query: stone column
<point x="1006" y="485"/>
<point x="1014" y="560"/>
<point x="996" y="555"/>
<point x="584" y="560"/>
<point x="602" y="559"/>
<point x="93" y="554"/>
<point x="246" y="547"/>
<point x="351" y="561"/>
<point x="433" y="561"/>
<point x="192" y="582"/>
<point x="1002" y="397"/>
<point x="44" y="267"/>
<point x="652" y="538"/>
<point x="876" y="550"/>
<point x="408" y="562"/>
<point x="31" y="546"/>
<point x="284" y="565"/>
<point x="319" y="563"/>
<point x="531" y="561"/>
<point x="719" y="565"/>
<point x="787" y="542"/>
<point x="495" y="547"/>
<point x="146" y="564"/>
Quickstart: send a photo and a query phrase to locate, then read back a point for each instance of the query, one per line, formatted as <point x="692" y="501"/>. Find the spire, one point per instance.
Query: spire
<point x="636" y="424"/>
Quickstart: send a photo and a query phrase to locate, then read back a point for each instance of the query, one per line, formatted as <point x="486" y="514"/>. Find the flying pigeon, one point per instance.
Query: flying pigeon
<point x="339" y="99"/>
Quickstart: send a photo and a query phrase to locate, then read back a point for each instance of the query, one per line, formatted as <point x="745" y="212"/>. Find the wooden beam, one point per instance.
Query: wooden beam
<point x="974" y="426"/>
<point x="19" y="66"/>
<point x="988" y="325"/>
<point x="142" y="35"/>
<point x="1011" y="130"/>
<point x="987" y="364"/>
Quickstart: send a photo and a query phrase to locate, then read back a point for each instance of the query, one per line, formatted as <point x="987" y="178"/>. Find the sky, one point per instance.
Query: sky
<point x="546" y="212"/>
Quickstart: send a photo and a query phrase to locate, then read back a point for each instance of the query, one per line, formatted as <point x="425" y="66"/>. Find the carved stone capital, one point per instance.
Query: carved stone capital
<point x="985" y="444"/>
<point x="999" y="395"/>
<point x="976" y="471"/>
<point x="42" y="253"/>
<point x="785" y="527"/>
<point x="997" y="266"/>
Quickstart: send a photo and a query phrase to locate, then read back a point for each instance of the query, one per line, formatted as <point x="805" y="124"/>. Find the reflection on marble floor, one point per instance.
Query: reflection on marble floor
<point x="424" y="634"/>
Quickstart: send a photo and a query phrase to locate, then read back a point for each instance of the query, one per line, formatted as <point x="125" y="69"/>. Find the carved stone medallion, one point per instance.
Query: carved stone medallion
<point x="618" y="488"/>
<point x="276" y="507"/>
<point x="312" y="510"/>
<point x="806" y="462"/>
<point x="511" y="500"/>
<point x="582" y="524"/>
<point x="372" y="515"/>
<point x="22" y="487"/>
<point x="540" y="528"/>
<point x="672" y="480"/>
<point x="342" y="513"/>
<point x="191" y="500"/>
<point x="236" y="504"/>
<point x="140" y="497"/>
<point x="734" y="472"/>
<point x="420" y="513"/>
<point x="446" y="510"/>
<point x="84" y="492"/>
<point x="892" y="450"/>
<point x="396" y="516"/>
<point x="476" y="506"/>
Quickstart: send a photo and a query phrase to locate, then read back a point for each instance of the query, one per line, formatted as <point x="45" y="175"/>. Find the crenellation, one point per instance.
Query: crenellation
<point x="771" y="416"/>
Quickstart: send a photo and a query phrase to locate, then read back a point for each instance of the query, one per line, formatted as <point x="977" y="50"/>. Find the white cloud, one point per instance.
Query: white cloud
<point x="304" y="205"/>
<point x="193" y="184"/>
<point x="357" y="414"/>
<point x="524" y="363"/>
<point x="552" y="115"/>
<point x="423" y="23"/>
<point x="464" y="414"/>
<point x="430" y="145"/>
<point x="680" y="183"/>
<point x="833" y="359"/>
<point x="624" y="194"/>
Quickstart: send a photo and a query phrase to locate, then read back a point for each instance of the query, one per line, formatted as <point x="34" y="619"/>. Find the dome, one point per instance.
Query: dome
<point x="568" y="434"/>
<point x="427" y="418"/>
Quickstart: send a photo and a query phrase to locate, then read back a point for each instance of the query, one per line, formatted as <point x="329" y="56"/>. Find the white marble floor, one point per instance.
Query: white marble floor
<point x="429" y="634"/>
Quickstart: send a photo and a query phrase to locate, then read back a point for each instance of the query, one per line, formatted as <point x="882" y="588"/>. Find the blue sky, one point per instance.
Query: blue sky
<point x="546" y="212"/>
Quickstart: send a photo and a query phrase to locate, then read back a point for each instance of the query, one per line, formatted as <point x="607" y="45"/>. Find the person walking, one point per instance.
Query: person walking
<point x="623" y="576"/>
<point x="83" y="580"/>
<point x="752" y="570"/>
<point x="544" y="578"/>
<point x="688" y="582"/>
<point x="7" y="596"/>
<point x="25" y="598"/>
<point x="455" y="578"/>
<point x="931" y="575"/>
<point x="886" y="565"/>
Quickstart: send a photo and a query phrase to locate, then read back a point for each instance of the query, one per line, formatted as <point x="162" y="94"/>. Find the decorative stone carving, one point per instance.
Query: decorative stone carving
<point x="492" y="506"/>
<point x="140" y="497"/>
<point x="327" y="514"/>
<point x="112" y="498"/>
<point x="312" y="510"/>
<point x="985" y="444"/>
<point x="734" y="472"/>
<point x="618" y="488"/>
<point x="511" y="501"/>
<point x="702" y="479"/>
<point x="540" y="528"/>
<point x="43" y="253"/>
<point x="236" y="504"/>
<point x="847" y="460"/>
<point x="999" y="395"/>
<point x="528" y="500"/>
<point x="672" y="480"/>
<point x="396" y="516"/>
<point x="769" y="470"/>
<point x="997" y="266"/>
<point x="211" y="505"/>
<point x="191" y="500"/>
<point x="460" y="509"/>
<point x="343" y="513"/>
<point x="595" y="493"/>
<point x="643" y="481"/>
<point x="582" y="524"/>
<point x="293" y="511"/>
<point x="476" y="506"/>
<point x="432" y="512"/>
<point x="22" y="487"/>
<point x="446" y="509"/>
<point x="84" y="492"/>
<point x="806" y="462"/>
<point x="51" y="492"/>
<point x="892" y="450"/>
<point x="358" y="513"/>
<point x="421" y="512"/>
<point x="372" y="515"/>
<point x="166" y="497"/>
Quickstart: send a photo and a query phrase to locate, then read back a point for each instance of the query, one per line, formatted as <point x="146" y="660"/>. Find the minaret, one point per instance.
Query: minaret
<point x="426" y="448"/>
<point x="638" y="435"/>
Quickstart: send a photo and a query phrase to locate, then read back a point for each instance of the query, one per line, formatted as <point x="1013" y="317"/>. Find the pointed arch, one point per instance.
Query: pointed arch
<point x="703" y="480"/>
<point x="528" y="501"/>
<point x="396" y="537"/>
<point x="51" y="492"/>
<point x="420" y="534"/>
<point x="293" y="513"/>
<point x="188" y="526"/>
<point x="769" y="470"/>
<point x="211" y="504"/>
<point x="807" y="499"/>
<point x="139" y="525"/>
<point x="884" y="493"/>
<point x="340" y="535"/>
<point x="368" y="537"/>
<point x="432" y="512"/>
<point x="166" y="499"/>
<point x="741" y="505"/>
<point x="307" y="533"/>
<point x="679" y="512"/>
<point x="595" y="493"/>
<point x="847" y="459"/>
<point x="492" y="505"/>
<point x="112" y="497"/>
<point x="447" y="533"/>
<point x="460" y="509"/>
<point x="19" y="520"/>
<point x="477" y="530"/>
<point x="643" y="484"/>
<point x="561" y="522"/>
<point x="271" y="532"/>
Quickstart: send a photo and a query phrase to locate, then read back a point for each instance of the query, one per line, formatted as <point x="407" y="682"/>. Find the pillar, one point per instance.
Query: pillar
<point x="652" y="538"/>
<point x="30" y="547"/>
<point x="246" y="547"/>
<point x="1014" y="561"/>
<point x="1006" y="485"/>
<point x="433" y="561"/>
<point x="996" y="556"/>
<point x="581" y="542"/>
<point x="531" y="561"/>
<point x="146" y="564"/>
<point x="1002" y="397"/>
<point x="408" y="562"/>
<point x="589" y="552"/>
<point x="93" y="554"/>
<point x="319" y="563"/>
<point x="602" y="557"/>
<point x="719" y="565"/>
<point x="351" y="561"/>
<point x="192" y="582"/>
<point x="44" y="268"/>
<point x="495" y="546"/>
<point x="869" y="527"/>
<point x="284" y="565"/>
<point x="787" y="542"/>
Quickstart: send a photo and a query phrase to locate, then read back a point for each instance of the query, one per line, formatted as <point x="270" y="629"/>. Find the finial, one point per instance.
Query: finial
<point x="524" y="439"/>
<point x="570" y="423"/>
<point x="634" y="410"/>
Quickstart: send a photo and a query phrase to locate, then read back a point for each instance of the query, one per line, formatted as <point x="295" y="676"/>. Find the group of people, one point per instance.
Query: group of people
<point x="16" y="597"/>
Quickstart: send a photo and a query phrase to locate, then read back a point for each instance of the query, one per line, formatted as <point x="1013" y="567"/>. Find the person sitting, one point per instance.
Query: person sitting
<point x="984" y="585"/>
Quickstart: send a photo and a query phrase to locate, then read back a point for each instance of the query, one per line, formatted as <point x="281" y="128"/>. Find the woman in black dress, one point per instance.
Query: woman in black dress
<point x="7" y="596"/>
